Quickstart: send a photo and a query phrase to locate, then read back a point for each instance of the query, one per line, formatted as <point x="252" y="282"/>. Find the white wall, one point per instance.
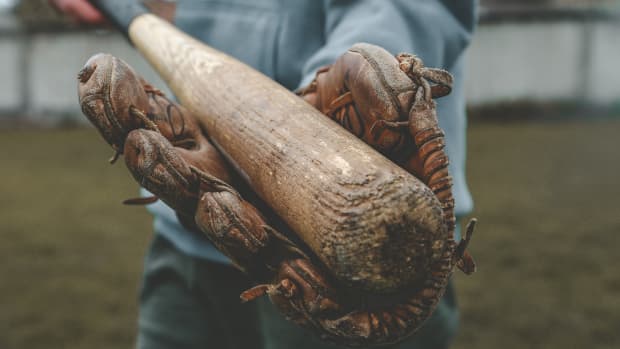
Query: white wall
<point x="10" y="77"/>
<point x="545" y="61"/>
<point x="605" y="63"/>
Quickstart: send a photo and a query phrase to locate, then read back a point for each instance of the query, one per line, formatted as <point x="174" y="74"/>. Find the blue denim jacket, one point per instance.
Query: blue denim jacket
<point x="288" y="40"/>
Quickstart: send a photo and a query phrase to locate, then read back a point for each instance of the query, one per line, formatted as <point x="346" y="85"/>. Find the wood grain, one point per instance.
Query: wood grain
<point x="369" y="221"/>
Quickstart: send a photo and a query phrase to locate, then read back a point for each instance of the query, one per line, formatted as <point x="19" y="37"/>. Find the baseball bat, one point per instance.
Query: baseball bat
<point x="357" y="211"/>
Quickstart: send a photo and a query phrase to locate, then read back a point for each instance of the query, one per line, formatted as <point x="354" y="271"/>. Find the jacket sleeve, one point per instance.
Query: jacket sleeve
<point x="436" y="30"/>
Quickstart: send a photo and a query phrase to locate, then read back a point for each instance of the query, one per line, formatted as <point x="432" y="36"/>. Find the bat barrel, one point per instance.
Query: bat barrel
<point x="369" y="221"/>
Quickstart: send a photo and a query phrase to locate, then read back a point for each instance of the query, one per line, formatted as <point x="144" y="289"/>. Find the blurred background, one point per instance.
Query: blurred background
<point x="543" y="88"/>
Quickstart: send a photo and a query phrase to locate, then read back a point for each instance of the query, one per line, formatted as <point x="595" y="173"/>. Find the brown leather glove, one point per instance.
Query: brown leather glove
<point x="379" y="98"/>
<point x="388" y="102"/>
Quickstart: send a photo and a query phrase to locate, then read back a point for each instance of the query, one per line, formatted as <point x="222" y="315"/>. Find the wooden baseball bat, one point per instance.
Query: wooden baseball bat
<point x="360" y="213"/>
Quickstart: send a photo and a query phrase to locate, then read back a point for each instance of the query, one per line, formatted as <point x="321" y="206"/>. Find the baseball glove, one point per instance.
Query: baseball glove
<point x="386" y="101"/>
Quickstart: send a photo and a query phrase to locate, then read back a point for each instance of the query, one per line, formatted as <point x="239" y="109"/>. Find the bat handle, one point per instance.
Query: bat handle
<point x="120" y="12"/>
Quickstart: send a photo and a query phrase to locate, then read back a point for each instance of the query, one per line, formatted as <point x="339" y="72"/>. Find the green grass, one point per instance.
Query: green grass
<point x="547" y="202"/>
<point x="70" y="253"/>
<point x="546" y="199"/>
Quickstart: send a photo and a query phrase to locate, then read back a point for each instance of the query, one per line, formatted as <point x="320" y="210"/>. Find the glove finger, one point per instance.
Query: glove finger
<point x="157" y="166"/>
<point x="117" y="100"/>
<point x="311" y="290"/>
<point x="363" y="86"/>
<point x="238" y="229"/>
<point x="109" y="91"/>
<point x="235" y="226"/>
<point x="175" y="175"/>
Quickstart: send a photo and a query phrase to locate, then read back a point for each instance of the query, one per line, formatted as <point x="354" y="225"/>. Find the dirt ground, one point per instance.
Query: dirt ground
<point x="546" y="245"/>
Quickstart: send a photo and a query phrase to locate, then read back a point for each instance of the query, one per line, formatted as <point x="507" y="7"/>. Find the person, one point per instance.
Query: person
<point x="189" y="297"/>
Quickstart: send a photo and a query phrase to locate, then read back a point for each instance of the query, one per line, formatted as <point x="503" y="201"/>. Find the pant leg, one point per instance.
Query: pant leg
<point x="189" y="302"/>
<point x="438" y="331"/>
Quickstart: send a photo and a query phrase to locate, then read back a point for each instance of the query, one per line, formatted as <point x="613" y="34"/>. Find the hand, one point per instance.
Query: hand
<point x="80" y="10"/>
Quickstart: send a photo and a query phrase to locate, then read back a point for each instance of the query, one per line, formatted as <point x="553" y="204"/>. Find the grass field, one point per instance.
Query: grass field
<point x="546" y="198"/>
